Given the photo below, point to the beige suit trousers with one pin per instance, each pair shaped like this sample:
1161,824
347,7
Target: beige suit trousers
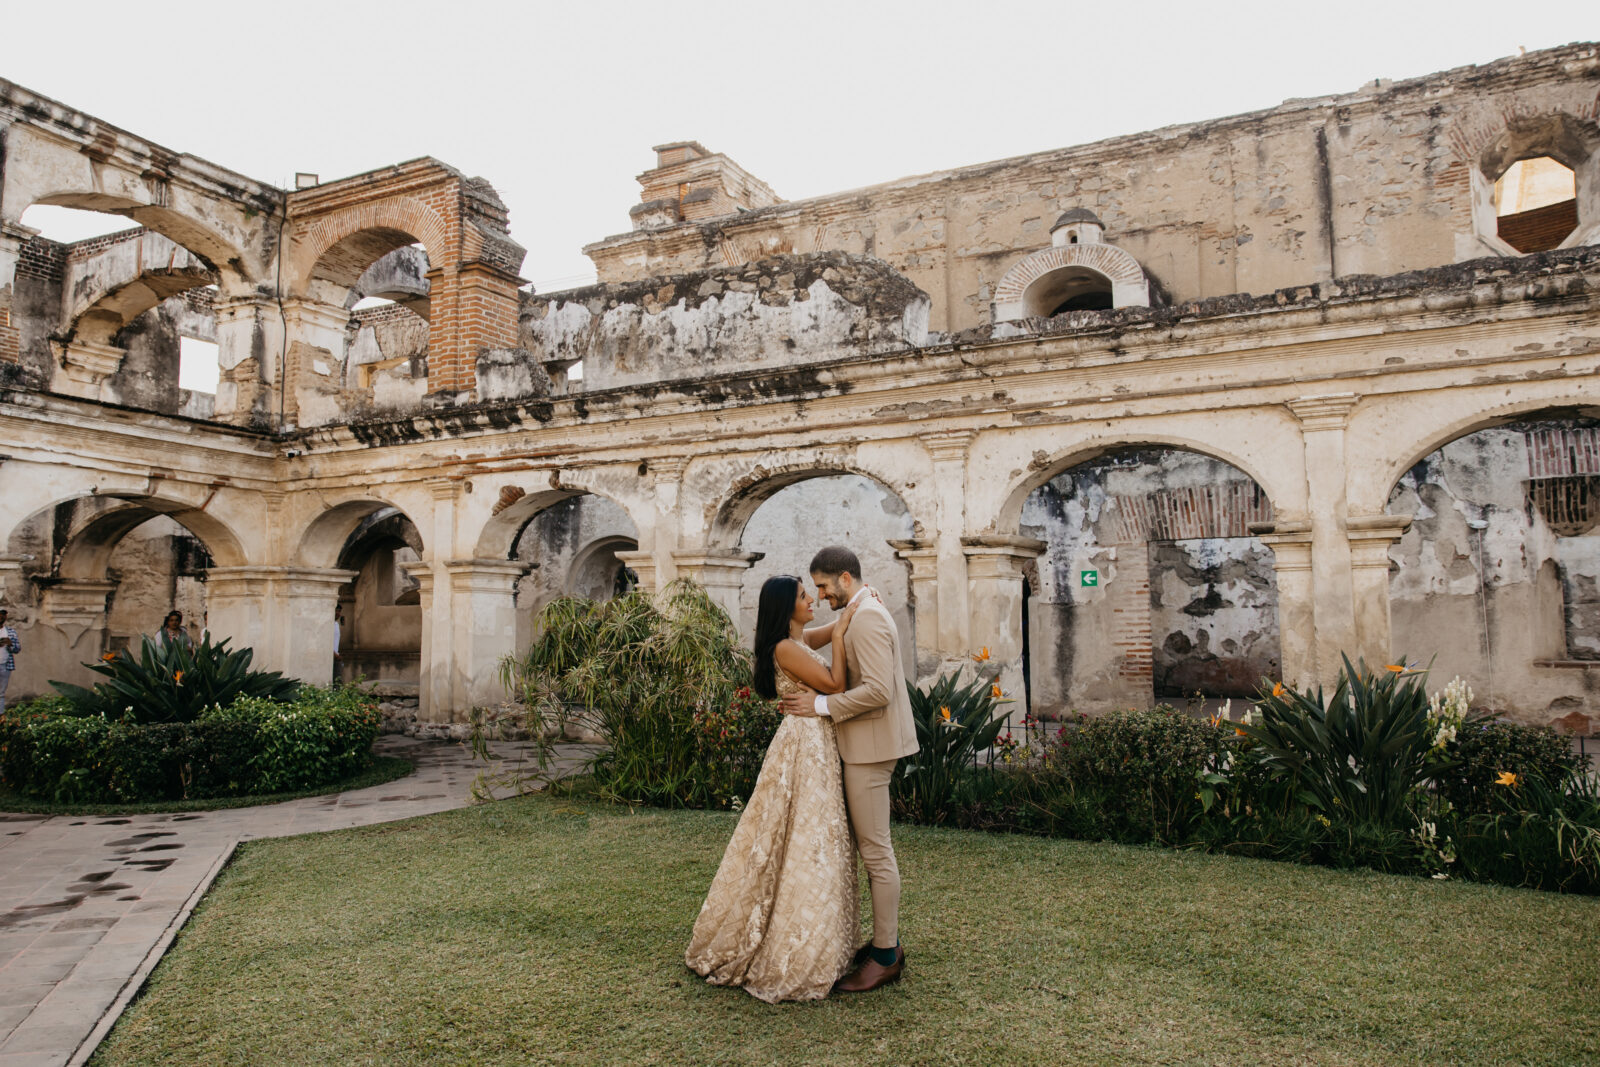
866,795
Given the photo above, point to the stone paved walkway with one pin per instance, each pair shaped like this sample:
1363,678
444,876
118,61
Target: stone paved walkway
89,904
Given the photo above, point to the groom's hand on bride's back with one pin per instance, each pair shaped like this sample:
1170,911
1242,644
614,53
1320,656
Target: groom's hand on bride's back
802,703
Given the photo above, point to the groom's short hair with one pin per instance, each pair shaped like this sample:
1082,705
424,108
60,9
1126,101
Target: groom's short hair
836,560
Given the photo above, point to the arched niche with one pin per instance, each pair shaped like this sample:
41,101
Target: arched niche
1040,284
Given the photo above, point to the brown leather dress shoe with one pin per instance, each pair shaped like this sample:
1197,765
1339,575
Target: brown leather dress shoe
871,975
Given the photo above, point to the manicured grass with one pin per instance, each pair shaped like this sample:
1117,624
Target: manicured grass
551,930
383,769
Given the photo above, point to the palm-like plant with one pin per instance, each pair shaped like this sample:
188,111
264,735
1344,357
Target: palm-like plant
955,723
169,682
1359,756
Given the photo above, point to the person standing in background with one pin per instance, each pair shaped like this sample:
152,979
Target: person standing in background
338,631
9,647
172,631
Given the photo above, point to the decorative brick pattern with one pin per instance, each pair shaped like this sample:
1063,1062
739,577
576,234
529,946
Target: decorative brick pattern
1131,634
1562,453
1223,510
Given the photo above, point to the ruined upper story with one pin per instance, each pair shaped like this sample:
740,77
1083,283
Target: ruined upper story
1303,204
1393,177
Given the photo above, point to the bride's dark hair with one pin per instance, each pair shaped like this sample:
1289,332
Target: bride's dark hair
773,612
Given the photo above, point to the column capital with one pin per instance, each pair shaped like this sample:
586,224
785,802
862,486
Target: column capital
715,561
665,468
421,572
89,362
921,552
1000,556
488,568
445,488
644,565
1370,538
1327,412
947,446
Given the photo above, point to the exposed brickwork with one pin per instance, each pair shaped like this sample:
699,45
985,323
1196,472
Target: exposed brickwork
1563,453
42,259
1541,229
95,245
1223,510
10,340
1130,630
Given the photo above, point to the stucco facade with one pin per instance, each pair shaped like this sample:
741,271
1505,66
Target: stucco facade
1249,373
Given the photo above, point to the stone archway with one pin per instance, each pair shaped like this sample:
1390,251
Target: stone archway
1035,285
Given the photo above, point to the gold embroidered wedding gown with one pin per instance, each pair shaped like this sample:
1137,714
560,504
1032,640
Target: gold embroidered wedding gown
781,918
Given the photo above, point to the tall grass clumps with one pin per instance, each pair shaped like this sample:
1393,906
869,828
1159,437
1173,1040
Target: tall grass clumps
662,681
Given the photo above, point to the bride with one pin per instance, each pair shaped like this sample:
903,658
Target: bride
782,916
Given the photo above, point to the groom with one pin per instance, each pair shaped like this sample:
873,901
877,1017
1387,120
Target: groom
873,724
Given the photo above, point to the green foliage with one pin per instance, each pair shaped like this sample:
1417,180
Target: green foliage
642,670
171,682
1535,834
1357,757
739,732
1484,749
954,724
253,746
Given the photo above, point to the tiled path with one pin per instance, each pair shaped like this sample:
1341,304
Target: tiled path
88,905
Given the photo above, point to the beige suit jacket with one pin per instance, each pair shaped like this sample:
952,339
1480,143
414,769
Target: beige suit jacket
872,717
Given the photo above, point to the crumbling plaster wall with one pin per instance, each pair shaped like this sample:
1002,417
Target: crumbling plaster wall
843,509
553,542
1481,587
782,311
1167,617
1377,181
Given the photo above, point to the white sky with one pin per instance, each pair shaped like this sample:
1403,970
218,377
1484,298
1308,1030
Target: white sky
558,104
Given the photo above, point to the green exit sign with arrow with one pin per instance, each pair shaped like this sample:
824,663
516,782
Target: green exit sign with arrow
1089,579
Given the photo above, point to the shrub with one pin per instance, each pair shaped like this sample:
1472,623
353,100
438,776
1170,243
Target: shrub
253,746
174,683
740,732
1358,757
1483,750
1130,775
641,669
1533,833
954,724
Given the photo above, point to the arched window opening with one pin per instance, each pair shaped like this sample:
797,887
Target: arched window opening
69,225
1536,204
1068,289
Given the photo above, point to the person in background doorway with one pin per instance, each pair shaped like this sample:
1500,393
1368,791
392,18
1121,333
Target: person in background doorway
172,631
338,632
9,647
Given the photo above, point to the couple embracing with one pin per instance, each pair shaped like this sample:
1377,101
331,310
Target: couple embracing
782,915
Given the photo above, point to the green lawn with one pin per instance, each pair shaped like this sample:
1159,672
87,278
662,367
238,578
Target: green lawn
551,930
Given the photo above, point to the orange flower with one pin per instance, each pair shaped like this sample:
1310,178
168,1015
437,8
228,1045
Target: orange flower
944,713
1506,778
1239,731
109,656
178,678
1277,689
1398,668
982,655
995,691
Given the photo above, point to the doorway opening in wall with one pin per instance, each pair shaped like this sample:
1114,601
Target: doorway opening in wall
1151,586
1068,289
380,638
198,370
1536,204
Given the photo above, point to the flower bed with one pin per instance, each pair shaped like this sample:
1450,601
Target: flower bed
252,746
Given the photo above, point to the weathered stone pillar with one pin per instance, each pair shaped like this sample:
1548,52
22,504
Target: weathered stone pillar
249,348
644,565
77,607
666,478
1370,538
948,450
1291,559
483,616
1323,420
994,589
433,674
308,597
285,614
922,556
721,572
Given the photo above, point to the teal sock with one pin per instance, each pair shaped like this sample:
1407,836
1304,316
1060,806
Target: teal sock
884,957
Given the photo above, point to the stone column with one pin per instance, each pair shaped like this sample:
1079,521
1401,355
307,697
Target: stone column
948,449
433,683
483,616
1291,559
922,556
666,478
644,565
249,347
721,572
1370,539
1323,420
994,595
285,614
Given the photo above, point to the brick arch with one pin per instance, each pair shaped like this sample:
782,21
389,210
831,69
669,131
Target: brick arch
393,222
1128,285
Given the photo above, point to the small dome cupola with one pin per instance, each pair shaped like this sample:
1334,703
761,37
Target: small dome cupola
1079,226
